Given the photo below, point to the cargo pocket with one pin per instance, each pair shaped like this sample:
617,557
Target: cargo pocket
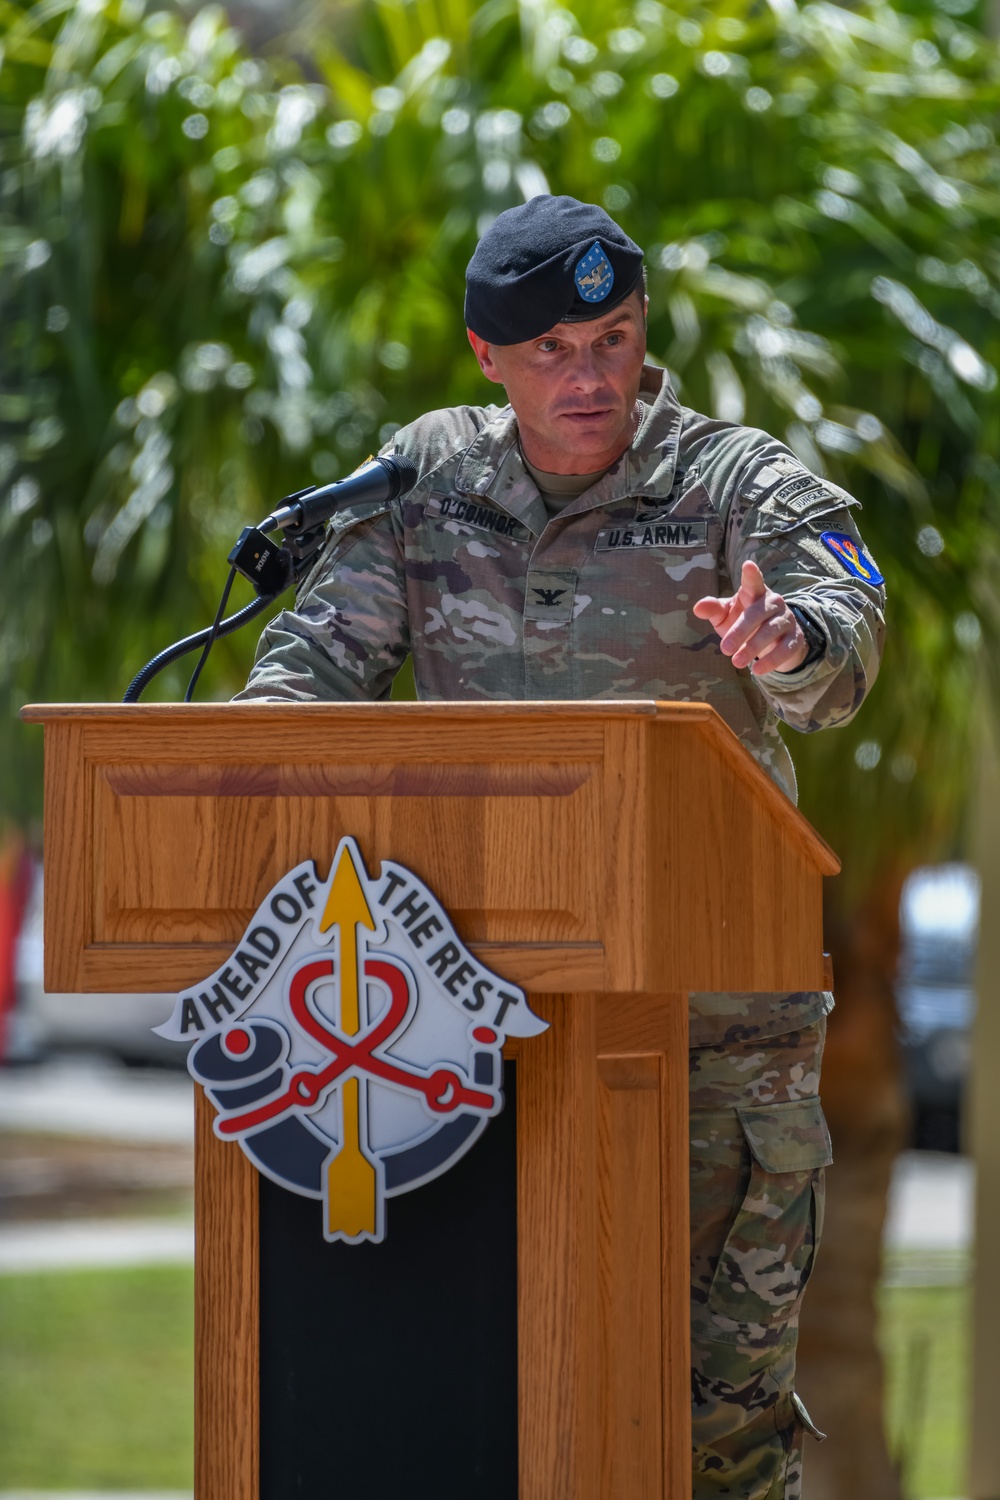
768,1254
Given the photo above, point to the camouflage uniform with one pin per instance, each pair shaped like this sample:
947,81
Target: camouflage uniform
759,1144
496,599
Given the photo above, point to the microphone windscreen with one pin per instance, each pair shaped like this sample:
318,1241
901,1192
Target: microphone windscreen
405,472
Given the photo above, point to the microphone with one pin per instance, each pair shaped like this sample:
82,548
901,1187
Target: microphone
271,567
379,479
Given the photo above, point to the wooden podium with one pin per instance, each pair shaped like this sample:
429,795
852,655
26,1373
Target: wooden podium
609,857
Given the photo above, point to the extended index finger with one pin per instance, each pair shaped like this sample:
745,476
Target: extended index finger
752,585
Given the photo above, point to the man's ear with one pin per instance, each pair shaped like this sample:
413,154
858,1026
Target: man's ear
484,354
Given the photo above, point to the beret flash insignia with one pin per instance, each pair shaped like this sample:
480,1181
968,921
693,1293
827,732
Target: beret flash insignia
593,274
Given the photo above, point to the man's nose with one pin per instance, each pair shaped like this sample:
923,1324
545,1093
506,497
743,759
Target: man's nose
586,375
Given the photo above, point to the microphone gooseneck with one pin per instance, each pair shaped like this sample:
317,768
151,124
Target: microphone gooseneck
271,569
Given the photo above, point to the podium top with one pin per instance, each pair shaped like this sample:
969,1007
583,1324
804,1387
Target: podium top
633,844
588,708
501,716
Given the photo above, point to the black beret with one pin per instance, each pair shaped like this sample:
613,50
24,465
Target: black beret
548,261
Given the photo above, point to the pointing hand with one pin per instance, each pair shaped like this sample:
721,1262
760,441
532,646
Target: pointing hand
757,627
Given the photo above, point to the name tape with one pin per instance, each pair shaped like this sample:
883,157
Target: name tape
652,534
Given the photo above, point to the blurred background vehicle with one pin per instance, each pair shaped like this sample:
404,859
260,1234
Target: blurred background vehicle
39,1024
939,920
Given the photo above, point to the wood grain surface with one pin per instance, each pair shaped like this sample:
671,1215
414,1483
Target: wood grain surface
525,779
644,1251
559,1374
73,851
629,1173
137,967
585,830
227,1317
610,857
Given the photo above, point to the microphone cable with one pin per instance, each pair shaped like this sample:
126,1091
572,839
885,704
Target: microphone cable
269,568
173,653
213,635
272,568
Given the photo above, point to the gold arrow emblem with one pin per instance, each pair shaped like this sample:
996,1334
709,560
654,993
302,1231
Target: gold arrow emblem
351,1178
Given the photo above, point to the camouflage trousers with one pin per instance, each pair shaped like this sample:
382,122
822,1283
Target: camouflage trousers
759,1143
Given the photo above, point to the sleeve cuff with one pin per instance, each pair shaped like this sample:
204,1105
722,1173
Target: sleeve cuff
814,634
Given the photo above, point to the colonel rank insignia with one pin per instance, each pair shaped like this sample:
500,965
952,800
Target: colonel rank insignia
352,1044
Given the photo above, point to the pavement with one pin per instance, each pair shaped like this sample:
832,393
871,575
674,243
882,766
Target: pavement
129,1134
84,1096
96,1166
80,1244
92,1104
930,1224
931,1202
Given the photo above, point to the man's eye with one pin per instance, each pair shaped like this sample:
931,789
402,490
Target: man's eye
547,346
614,338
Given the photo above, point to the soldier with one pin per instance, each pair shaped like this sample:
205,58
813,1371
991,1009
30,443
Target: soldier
595,539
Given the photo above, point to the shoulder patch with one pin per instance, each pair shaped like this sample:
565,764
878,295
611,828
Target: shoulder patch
800,492
852,558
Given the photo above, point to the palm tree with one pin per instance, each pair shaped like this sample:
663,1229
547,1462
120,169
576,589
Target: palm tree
226,277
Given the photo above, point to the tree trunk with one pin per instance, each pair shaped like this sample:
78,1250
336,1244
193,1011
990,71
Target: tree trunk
840,1367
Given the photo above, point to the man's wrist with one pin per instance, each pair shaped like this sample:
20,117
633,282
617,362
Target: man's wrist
814,638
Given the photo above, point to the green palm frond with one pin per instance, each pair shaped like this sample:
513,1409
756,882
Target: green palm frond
222,278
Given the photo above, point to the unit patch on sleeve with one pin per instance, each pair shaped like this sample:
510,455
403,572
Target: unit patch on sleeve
851,557
645,534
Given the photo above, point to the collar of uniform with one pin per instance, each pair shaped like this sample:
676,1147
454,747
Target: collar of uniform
492,465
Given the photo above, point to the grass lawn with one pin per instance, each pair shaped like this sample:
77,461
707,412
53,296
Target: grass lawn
96,1379
925,1340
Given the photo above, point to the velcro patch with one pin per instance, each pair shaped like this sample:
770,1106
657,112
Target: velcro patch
801,492
642,535
773,472
550,595
784,463
474,513
852,558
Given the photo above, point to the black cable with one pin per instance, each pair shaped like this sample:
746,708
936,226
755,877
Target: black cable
142,679
213,635
270,568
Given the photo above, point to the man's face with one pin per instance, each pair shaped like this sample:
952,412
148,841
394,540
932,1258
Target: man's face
574,389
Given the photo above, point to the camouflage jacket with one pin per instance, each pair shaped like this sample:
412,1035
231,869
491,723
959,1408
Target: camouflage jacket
496,599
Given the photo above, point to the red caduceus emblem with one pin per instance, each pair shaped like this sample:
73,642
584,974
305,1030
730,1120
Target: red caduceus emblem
443,1089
